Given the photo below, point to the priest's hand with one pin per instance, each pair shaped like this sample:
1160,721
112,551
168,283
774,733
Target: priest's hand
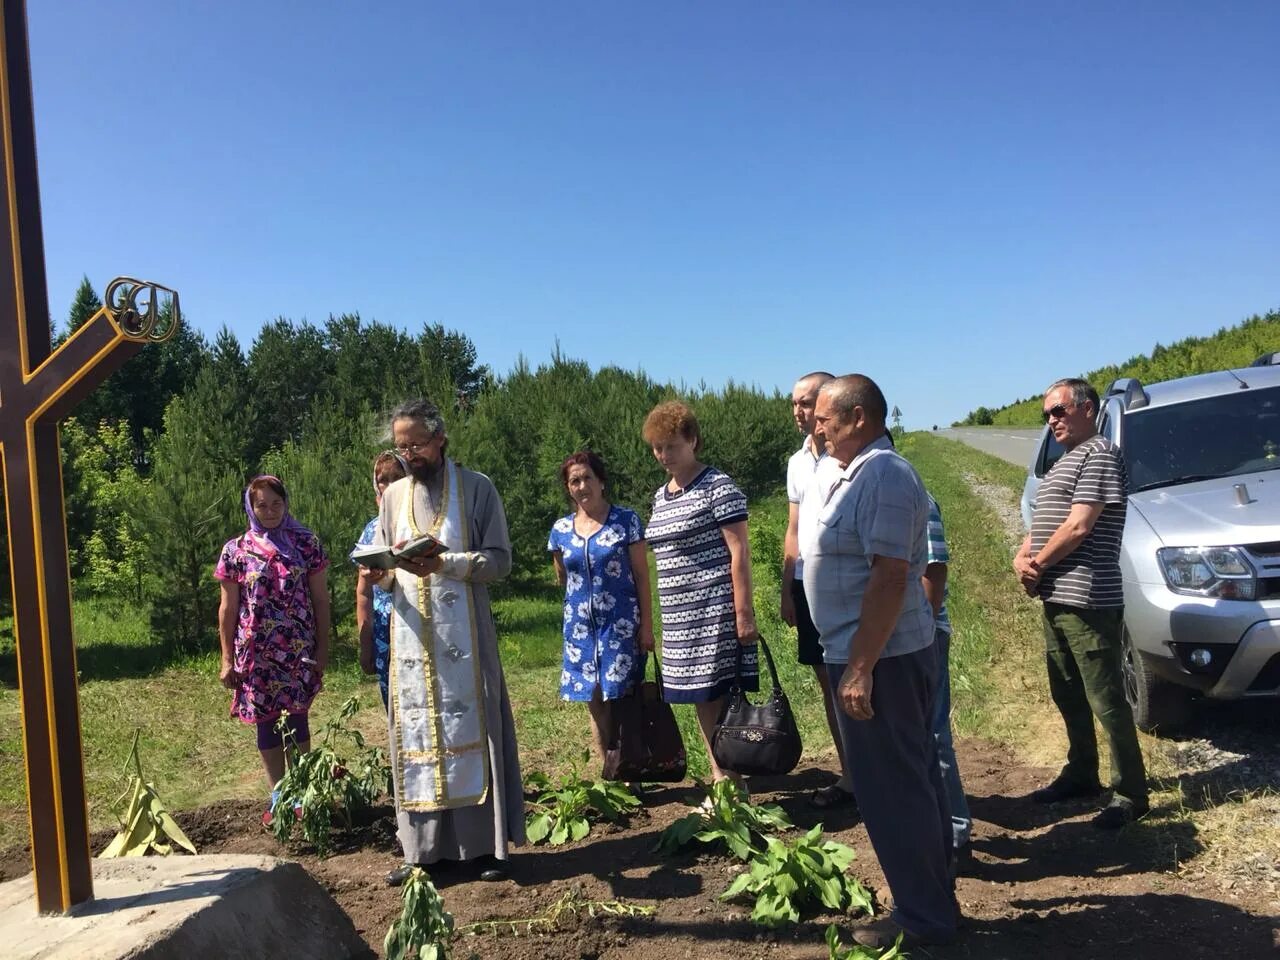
420,566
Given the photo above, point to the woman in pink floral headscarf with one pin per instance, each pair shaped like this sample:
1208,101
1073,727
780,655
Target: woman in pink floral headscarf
273,621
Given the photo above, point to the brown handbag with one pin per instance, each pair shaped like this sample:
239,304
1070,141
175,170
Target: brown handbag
643,741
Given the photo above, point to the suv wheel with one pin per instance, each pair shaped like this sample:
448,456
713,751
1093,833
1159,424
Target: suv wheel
1158,706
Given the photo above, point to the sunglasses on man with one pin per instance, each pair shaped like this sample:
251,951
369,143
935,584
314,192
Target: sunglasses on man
1058,411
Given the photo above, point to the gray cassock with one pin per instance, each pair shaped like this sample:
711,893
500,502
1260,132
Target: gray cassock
455,766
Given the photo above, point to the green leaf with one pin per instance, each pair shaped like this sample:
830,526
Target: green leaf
859,897
840,854
741,883
763,869
579,828
559,833
737,846
680,833
831,892
785,885
115,848
895,952
773,910
833,939
144,840
537,827
174,832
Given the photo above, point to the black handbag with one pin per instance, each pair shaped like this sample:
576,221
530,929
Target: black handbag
643,740
757,740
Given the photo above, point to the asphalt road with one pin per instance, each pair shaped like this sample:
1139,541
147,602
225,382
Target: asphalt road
1015,444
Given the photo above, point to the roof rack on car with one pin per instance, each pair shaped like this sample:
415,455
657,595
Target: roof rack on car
1267,360
1130,388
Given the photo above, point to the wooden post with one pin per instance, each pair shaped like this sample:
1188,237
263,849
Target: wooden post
38,386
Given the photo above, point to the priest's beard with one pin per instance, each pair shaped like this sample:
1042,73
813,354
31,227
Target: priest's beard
427,472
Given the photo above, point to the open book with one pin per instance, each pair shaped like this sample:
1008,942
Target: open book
384,558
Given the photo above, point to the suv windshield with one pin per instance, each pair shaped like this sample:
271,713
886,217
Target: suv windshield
1222,436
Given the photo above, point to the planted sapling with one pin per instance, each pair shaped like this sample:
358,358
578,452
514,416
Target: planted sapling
727,816
856,951
424,928
562,811
787,877
323,782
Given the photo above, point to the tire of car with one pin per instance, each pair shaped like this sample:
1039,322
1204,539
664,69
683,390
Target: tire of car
1158,705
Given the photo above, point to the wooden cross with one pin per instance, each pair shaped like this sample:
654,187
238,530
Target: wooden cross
38,386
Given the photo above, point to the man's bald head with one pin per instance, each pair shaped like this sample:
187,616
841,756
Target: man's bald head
849,415
855,390
812,381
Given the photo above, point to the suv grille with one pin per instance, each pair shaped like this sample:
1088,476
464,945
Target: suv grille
1265,558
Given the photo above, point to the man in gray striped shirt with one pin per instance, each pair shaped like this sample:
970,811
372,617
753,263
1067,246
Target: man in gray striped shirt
1071,561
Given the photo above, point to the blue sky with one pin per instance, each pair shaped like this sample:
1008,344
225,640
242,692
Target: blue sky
964,201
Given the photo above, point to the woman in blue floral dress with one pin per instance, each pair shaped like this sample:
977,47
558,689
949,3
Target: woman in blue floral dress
600,560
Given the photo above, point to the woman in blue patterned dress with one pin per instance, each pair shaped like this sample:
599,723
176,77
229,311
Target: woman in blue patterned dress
698,533
373,603
598,551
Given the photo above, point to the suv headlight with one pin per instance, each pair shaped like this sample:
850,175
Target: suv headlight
1208,572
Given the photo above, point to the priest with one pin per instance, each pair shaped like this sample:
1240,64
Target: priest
454,762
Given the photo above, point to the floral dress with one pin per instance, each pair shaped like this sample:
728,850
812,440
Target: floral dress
381,618
276,627
601,611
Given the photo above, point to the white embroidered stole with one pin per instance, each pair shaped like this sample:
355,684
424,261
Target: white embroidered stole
437,691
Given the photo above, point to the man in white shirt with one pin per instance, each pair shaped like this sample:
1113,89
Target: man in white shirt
806,466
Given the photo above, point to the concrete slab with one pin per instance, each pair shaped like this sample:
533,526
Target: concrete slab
183,908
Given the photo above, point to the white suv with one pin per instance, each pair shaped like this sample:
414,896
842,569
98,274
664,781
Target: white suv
1201,551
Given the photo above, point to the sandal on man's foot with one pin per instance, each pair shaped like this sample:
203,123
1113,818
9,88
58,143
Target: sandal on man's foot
832,795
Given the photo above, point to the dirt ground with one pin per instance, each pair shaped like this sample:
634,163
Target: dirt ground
1043,883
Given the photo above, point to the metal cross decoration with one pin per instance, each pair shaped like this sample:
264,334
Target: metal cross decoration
38,386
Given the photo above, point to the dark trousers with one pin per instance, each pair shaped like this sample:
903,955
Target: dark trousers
1082,649
893,763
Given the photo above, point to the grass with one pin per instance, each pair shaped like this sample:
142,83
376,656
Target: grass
998,683
190,747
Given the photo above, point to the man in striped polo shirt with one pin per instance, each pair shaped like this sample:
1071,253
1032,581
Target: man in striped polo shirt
1071,561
